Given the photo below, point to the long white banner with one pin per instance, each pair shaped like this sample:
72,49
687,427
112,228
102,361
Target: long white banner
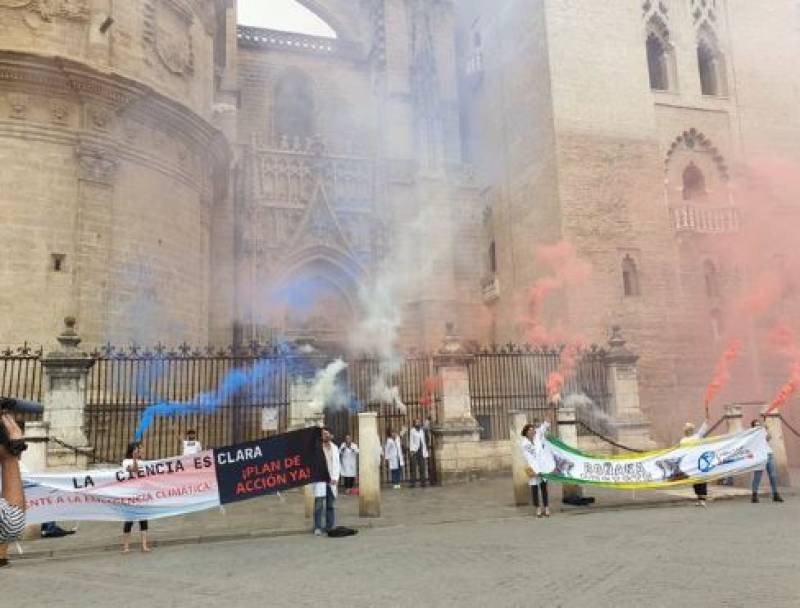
696,462
158,489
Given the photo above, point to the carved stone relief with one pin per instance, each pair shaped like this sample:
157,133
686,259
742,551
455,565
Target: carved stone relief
167,33
59,111
96,164
17,106
47,10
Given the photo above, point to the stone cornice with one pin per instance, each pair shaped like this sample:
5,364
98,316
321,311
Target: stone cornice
125,96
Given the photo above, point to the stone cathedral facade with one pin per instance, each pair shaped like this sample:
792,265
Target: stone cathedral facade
167,174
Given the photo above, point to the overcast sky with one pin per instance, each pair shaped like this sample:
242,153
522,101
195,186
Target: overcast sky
286,15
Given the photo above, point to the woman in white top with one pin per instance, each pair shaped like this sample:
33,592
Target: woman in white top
531,445
131,464
393,453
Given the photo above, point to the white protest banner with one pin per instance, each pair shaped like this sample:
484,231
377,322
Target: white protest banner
696,462
160,488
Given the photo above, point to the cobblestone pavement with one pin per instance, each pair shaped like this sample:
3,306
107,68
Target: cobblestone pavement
731,554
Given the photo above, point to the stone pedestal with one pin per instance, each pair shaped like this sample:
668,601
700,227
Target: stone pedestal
777,442
457,434
516,421
34,459
369,467
632,428
733,424
65,373
568,433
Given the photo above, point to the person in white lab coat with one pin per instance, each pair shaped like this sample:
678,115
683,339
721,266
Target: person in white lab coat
348,453
531,446
325,491
418,453
393,453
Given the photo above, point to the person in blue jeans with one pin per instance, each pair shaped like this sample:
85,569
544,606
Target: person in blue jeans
325,491
771,472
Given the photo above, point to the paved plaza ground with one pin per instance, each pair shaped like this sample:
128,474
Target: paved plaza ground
461,546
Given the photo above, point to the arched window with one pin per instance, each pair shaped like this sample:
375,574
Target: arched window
630,277
293,114
711,64
711,279
694,183
660,63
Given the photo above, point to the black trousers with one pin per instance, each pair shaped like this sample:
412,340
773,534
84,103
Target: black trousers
701,490
535,493
417,465
349,482
129,526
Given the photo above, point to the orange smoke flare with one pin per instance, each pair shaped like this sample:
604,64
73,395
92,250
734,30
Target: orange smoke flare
787,390
722,372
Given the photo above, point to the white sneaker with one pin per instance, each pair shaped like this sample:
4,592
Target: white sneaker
317,532
397,486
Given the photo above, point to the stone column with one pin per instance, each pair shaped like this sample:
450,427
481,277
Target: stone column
369,466
568,433
64,401
457,434
516,421
34,459
733,424
632,428
775,428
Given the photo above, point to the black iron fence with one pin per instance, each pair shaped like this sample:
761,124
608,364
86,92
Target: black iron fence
511,377
251,391
21,374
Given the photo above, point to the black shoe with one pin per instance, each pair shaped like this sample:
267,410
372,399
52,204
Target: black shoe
3,562
755,497
777,498
57,533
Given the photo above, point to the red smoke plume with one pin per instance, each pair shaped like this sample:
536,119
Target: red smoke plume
787,390
429,387
722,372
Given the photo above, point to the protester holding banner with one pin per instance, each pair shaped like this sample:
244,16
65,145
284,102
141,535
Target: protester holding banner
393,453
325,492
771,472
531,446
190,445
131,464
690,437
348,453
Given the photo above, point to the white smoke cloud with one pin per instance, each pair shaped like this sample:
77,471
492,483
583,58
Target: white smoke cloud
380,391
326,391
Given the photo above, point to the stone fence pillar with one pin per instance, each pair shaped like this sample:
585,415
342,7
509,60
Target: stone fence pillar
369,465
777,442
457,433
516,421
632,428
65,373
567,420
34,459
